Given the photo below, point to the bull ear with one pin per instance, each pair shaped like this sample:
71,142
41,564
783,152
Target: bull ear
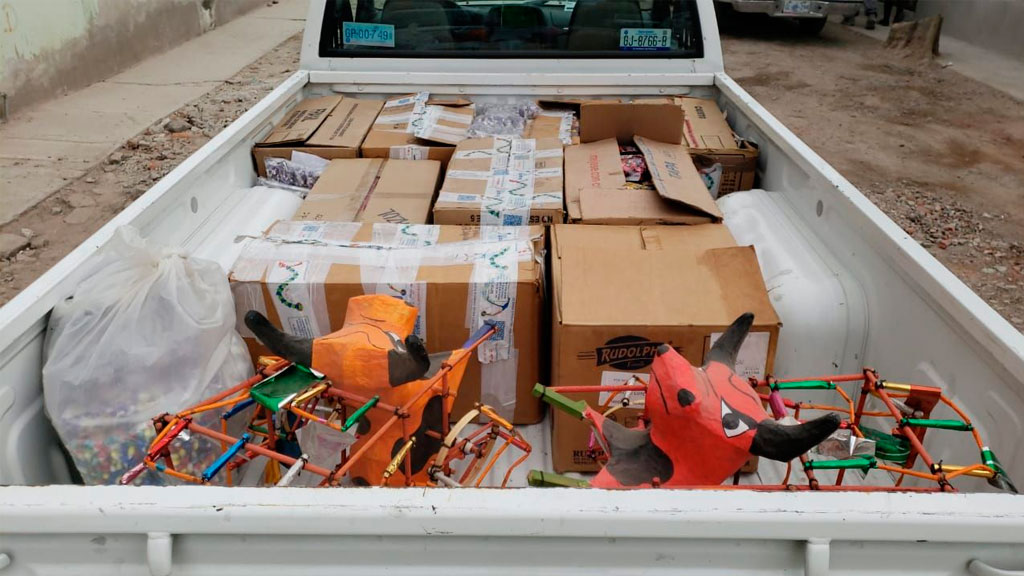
728,345
783,443
292,348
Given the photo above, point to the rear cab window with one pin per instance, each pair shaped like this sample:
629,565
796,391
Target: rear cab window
511,29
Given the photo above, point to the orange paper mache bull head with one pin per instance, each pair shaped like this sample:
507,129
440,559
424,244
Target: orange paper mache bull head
375,353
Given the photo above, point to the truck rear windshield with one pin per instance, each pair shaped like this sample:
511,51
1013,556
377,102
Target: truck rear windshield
511,29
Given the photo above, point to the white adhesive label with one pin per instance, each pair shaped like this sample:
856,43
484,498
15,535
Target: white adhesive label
453,198
613,378
296,291
469,174
493,297
394,271
312,232
407,100
753,354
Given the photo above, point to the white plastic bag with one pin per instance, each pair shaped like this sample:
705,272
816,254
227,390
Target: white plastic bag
149,331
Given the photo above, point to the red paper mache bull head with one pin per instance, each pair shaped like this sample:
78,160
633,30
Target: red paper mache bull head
703,423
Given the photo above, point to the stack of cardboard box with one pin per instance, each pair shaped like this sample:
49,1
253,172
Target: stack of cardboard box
635,267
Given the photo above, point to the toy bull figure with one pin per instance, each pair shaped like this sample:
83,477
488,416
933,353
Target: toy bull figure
702,423
376,354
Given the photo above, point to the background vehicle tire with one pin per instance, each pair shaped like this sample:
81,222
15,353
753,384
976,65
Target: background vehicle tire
811,26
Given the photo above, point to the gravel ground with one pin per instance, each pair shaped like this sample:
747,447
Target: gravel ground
941,154
38,239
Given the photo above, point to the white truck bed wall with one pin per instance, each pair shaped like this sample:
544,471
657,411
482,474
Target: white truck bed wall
921,324
924,324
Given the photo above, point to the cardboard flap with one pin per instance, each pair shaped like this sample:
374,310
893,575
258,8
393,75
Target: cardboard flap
347,124
691,275
659,121
705,125
593,165
738,275
625,206
302,121
675,176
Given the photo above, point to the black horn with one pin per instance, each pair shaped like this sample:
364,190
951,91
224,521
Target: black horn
783,443
728,345
408,362
291,348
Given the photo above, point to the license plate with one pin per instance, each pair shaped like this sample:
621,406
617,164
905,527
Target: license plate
796,7
366,34
645,39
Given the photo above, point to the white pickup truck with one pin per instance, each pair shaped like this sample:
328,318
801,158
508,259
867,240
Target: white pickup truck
852,290
810,15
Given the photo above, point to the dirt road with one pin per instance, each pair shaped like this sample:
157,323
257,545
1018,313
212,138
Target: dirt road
942,154
61,222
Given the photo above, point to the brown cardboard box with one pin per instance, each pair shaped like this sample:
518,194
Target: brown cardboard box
475,192
619,292
373,190
711,140
562,125
596,192
302,275
389,137
329,127
661,121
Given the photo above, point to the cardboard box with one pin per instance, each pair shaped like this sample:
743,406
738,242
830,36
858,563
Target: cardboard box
302,274
711,140
390,136
503,181
562,125
329,127
661,121
620,292
596,192
373,190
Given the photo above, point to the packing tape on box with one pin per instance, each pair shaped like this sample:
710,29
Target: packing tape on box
564,125
409,152
486,174
508,194
543,199
294,258
412,99
396,276
492,297
431,122
389,116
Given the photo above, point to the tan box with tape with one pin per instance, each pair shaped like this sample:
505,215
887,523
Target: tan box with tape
329,127
373,190
302,274
619,292
503,181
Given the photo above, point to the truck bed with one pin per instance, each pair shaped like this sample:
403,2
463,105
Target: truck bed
850,287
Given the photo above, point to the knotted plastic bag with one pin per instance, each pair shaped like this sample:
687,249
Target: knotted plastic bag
149,330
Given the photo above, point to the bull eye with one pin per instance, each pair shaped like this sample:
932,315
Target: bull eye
732,424
685,397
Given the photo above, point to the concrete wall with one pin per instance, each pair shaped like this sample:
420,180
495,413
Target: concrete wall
997,25
51,46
